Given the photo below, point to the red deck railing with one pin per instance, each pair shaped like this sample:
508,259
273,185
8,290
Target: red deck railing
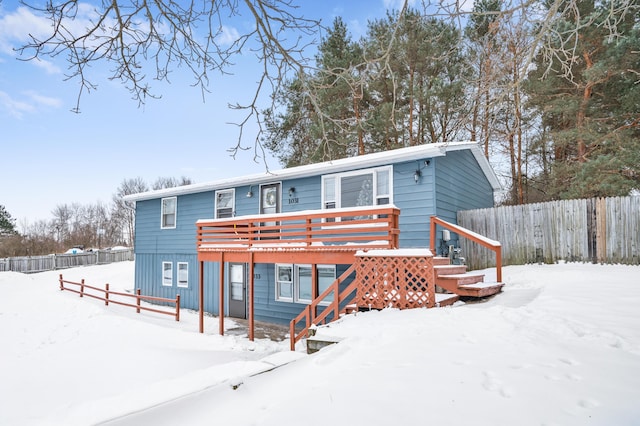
312,230
106,296
493,245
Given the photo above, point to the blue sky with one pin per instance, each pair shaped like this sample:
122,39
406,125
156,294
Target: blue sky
50,155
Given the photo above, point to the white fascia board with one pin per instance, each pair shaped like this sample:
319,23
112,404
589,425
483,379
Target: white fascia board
335,166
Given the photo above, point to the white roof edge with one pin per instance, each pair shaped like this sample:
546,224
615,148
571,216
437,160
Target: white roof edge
334,166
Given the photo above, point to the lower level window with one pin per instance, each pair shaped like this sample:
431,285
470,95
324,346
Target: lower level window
167,274
284,283
294,282
183,274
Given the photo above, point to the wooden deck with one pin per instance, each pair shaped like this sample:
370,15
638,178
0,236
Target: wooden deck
365,238
300,237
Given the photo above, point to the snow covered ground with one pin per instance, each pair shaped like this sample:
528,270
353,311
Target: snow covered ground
559,346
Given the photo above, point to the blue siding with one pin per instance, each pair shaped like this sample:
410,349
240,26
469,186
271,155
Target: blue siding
148,277
150,238
415,200
446,185
461,185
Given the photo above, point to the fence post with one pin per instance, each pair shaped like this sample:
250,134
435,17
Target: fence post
106,294
82,287
138,300
61,283
177,307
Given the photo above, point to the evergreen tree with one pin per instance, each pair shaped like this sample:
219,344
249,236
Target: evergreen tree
7,223
591,108
327,125
419,91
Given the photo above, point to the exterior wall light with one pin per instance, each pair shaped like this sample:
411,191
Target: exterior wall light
417,175
292,190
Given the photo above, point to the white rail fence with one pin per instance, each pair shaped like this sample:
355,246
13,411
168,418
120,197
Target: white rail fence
598,230
28,264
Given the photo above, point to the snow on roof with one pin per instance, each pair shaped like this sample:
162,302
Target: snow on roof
334,166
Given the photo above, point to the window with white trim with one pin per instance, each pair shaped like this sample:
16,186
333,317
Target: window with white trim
371,187
304,290
326,277
183,274
167,274
225,203
169,213
284,283
294,282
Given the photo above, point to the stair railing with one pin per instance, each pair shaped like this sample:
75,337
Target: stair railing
493,245
309,313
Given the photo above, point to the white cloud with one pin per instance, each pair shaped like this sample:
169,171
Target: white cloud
16,26
42,100
30,103
13,107
48,66
227,36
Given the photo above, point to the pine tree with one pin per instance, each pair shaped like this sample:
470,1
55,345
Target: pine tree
592,108
7,223
326,125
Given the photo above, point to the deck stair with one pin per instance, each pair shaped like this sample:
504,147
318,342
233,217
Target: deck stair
455,279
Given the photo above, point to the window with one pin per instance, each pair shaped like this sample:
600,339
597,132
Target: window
167,274
169,207
304,287
326,277
225,201
294,283
284,283
370,187
183,274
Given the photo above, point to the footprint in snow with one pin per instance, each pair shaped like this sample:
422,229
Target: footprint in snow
492,384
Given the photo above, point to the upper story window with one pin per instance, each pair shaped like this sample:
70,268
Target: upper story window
225,203
169,212
371,187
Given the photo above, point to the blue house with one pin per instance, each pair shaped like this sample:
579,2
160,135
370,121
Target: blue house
266,246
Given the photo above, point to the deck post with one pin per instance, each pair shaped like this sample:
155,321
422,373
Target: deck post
221,301
314,288
251,293
201,296
178,309
432,236
499,264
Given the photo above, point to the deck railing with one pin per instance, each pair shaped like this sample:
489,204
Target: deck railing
493,245
334,308
106,295
371,227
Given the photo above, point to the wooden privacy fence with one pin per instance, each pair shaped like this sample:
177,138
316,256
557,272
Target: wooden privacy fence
106,295
29,264
599,230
